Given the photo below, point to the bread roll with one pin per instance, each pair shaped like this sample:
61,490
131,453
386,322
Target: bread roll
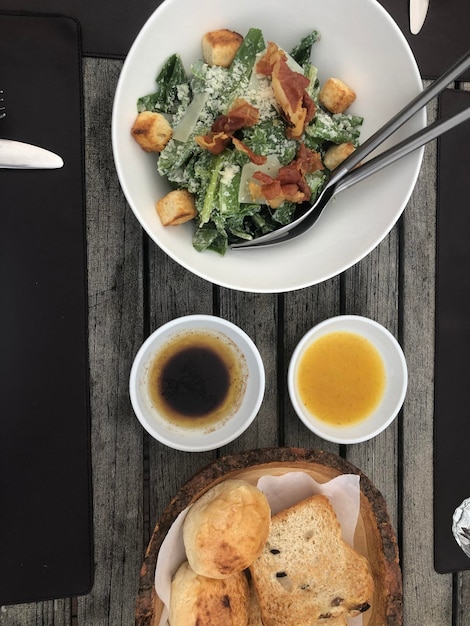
226,528
200,601
254,612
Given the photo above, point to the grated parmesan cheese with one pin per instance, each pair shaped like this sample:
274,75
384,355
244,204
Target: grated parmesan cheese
261,95
228,173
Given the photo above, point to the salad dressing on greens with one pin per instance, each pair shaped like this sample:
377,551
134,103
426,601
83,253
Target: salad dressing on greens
225,184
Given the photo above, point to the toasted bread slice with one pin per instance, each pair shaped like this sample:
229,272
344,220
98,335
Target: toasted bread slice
254,614
307,572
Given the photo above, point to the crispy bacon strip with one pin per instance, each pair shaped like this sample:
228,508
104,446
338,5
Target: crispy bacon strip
289,89
275,192
241,115
290,183
272,55
215,143
257,159
308,161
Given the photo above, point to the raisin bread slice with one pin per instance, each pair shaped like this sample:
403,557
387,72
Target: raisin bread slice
307,572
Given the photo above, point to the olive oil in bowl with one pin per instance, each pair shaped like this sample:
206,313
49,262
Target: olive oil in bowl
341,378
347,379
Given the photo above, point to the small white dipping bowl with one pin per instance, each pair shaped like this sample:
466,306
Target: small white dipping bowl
396,383
196,439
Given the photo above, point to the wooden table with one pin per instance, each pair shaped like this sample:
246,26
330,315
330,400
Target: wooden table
134,288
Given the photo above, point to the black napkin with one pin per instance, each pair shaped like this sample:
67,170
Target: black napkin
45,472
109,26
444,37
452,388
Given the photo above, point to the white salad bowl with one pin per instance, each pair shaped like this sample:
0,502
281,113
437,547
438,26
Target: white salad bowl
361,44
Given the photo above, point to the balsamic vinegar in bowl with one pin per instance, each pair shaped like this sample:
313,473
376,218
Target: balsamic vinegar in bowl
197,383
197,379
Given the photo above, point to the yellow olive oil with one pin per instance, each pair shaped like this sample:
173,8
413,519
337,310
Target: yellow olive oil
341,378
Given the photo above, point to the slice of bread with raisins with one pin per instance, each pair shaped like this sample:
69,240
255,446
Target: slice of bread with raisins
307,572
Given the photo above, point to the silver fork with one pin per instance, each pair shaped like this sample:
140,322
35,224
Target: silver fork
2,106
345,176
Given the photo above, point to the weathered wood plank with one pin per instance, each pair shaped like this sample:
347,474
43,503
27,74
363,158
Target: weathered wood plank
462,597
426,593
57,612
115,325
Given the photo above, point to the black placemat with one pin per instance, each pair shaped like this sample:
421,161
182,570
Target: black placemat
444,37
452,388
45,471
109,26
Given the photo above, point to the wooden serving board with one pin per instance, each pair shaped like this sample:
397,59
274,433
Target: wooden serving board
375,537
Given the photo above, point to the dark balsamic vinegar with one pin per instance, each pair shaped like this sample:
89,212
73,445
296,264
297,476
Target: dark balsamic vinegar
197,379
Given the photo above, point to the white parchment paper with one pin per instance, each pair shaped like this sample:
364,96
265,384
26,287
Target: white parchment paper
281,491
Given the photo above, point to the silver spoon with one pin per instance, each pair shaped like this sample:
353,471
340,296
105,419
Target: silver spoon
345,175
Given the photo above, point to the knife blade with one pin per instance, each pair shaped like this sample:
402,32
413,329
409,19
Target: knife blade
418,12
19,155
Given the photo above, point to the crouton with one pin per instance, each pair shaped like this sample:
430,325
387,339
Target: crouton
336,96
220,46
337,154
176,208
152,131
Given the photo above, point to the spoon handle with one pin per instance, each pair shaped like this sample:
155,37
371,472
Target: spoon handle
403,148
402,116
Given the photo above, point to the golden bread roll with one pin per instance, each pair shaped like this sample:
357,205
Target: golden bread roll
200,601
226,528
254,612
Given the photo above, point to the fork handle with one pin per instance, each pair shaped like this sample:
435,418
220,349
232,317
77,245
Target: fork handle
425,96
403,148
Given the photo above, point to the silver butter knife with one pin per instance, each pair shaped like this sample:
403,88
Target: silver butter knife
19,155
418,12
